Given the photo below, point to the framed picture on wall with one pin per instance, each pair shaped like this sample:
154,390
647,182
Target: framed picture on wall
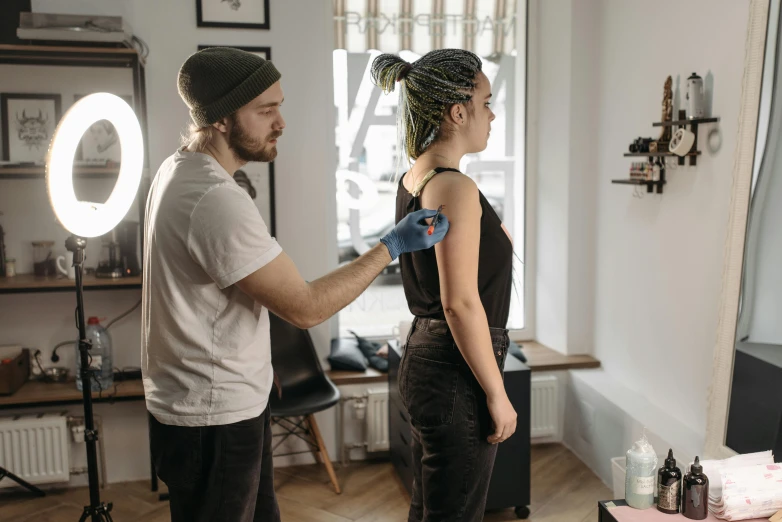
28,124
243,14
255,177
258,180
100,143
263,52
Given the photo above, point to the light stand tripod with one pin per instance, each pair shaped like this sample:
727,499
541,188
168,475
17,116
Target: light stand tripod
5,473
86,219
96,511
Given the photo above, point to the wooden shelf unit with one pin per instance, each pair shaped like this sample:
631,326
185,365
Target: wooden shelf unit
22,172
41,393
657,185
93,57
28,283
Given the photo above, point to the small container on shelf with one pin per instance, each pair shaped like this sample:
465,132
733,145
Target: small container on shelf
10,267
44,262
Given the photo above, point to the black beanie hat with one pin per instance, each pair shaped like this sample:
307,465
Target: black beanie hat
217,81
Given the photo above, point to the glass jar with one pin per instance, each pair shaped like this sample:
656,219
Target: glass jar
10,267
44,262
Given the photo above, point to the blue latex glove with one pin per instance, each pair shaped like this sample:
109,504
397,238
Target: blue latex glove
411,233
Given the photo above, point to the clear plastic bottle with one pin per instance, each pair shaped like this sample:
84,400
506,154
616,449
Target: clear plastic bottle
641,475
100,355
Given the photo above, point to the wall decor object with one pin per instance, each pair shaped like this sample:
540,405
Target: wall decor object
242,14
667,114
257,178
28,123
263,52
100,142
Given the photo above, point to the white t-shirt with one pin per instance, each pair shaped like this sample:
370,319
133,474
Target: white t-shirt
205,347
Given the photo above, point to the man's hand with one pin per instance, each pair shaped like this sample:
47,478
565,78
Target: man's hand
412,233
279,287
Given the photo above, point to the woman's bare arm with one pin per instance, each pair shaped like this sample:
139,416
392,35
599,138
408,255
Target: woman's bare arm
457,262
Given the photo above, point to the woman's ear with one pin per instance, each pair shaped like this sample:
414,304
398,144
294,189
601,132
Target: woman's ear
458,113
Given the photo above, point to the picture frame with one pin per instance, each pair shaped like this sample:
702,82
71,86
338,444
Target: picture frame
263,52
238,14
28,123
100,143
257,177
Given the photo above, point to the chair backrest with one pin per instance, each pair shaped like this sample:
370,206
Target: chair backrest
293,354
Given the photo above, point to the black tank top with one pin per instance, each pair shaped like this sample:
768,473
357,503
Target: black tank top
421,278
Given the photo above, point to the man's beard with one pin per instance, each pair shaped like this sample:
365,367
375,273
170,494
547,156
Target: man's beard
247,148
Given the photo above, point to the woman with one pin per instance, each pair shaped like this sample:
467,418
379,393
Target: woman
450,378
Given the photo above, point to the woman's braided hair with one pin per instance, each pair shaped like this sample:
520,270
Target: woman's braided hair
429,87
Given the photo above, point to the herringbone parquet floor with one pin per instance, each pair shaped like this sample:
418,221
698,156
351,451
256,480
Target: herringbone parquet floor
563,490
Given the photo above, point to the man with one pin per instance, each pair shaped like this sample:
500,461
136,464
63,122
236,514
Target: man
212,272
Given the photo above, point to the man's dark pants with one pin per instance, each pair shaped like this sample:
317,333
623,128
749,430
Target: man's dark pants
217,473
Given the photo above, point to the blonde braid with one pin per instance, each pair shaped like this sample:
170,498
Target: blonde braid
428,88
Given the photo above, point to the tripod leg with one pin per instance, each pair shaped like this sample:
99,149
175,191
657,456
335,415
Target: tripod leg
21,482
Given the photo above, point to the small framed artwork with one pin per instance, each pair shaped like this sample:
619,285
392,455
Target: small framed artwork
100,143
258,180
263,52
28,124
242,14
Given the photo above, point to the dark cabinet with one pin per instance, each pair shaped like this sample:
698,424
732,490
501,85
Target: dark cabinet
510,482
755,414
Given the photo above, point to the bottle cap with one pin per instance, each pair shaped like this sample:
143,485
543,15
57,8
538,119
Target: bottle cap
670,462
93,320
696,468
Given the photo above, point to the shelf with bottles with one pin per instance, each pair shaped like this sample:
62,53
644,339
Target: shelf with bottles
651,185
29,283
23,172
651,174
692,122
117,70
657,153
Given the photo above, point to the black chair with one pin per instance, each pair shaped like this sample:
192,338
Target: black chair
305,390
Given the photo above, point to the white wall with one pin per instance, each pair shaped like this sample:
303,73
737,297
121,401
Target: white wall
566,172
306,205
658,260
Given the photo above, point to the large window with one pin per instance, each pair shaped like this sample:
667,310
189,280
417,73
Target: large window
368,169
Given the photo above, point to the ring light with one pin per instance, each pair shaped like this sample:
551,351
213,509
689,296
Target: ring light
84,218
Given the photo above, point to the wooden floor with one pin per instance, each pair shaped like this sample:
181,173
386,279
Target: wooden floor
563,490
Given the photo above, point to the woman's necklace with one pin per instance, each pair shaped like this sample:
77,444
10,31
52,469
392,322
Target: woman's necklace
423,174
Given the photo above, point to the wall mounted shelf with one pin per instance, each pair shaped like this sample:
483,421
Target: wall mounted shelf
657,185
11,172
657,154
28,283
650,184
97,59
682,123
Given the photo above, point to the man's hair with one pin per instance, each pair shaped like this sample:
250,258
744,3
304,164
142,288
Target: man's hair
201,137
429,88
198,138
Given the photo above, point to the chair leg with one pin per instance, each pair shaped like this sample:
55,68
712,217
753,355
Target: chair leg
316,456
324,453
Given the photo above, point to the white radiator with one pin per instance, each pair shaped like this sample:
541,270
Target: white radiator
377,420
544,406
35,447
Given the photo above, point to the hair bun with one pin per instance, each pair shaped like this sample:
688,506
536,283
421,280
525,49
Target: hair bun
387,69
403,73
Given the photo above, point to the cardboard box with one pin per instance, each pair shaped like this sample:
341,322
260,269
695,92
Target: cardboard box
14,371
